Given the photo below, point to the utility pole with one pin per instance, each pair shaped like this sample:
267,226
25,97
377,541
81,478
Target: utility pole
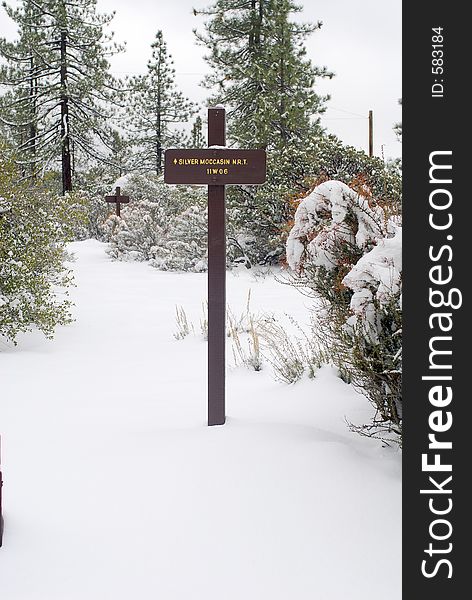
371,133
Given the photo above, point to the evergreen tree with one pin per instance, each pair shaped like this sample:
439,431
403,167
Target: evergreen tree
155,106
197,139
61,57
23,74
292,107
35,226
119,158
260,71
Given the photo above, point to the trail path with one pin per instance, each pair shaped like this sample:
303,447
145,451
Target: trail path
116,490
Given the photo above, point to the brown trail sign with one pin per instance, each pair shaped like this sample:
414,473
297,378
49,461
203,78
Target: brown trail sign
117,199
216,167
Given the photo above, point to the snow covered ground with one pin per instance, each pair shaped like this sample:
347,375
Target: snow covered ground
115,489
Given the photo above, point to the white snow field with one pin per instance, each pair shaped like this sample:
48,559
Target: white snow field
115,488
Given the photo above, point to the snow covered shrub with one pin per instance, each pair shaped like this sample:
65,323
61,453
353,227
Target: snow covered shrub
375,329
330,159
34,227
140,229
96,214
150,188
139,187
345,246
145,188
163,224
184,245
258,216
262,216
376,281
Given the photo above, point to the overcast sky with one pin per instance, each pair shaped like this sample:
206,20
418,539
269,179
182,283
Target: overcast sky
360,41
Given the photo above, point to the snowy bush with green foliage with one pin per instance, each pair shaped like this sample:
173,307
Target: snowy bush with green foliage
149,187
334,218
328,158
346,247
97,212
141,226
264,214
184,247
100,223
34,228
165,225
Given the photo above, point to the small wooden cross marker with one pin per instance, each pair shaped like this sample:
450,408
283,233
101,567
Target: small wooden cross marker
117,199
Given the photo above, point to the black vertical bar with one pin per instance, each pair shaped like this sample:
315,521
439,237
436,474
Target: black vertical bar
436,520
216,279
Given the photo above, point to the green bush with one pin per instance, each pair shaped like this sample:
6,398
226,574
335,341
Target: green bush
34,228
345,248
262,216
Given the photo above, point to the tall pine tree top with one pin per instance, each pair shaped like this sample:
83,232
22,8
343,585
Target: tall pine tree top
156,105
260,71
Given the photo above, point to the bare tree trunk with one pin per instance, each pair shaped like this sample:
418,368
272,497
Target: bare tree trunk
257,33
158,138
283,128
256,27
33,129
159,117
65,131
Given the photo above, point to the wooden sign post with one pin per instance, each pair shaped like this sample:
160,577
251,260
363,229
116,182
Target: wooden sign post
216,166
117,199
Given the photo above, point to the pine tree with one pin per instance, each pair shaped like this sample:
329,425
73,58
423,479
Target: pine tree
119,158
292,105
197,139
260,71
23,73
73,92
155,106
35,226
